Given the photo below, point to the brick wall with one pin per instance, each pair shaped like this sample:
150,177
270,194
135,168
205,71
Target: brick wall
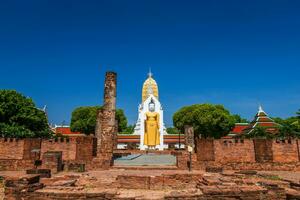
73,148
205,149
285,151
263,150
31,149
247,151
67,147
18,149
230,150
85,148
298,143
11,148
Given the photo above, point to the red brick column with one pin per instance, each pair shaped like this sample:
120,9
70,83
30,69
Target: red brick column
106,123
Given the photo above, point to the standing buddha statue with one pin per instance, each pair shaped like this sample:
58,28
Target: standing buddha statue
152,136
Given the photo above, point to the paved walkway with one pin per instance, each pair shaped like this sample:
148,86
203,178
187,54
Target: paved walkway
146,160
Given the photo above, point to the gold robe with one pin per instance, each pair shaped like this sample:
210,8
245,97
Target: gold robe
152,137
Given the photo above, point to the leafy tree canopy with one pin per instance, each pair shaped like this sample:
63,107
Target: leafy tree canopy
173,131
20,118
84,119
291,122
128,130
261,133
122,120
285,132
239,119
207,119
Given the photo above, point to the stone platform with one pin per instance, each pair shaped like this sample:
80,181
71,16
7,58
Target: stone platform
163,184
146,160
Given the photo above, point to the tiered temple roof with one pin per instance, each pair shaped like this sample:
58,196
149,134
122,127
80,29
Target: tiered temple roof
261,119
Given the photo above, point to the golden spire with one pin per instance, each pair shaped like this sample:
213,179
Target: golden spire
149,87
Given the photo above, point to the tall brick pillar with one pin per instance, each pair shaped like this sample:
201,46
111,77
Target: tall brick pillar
106,123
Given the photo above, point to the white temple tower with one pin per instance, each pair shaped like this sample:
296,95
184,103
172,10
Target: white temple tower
149,94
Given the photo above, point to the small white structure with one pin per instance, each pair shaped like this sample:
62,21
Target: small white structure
150,94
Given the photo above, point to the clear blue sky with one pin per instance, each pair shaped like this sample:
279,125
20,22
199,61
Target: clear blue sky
236,53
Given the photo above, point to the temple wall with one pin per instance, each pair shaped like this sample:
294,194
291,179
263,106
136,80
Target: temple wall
31,149
73,149
205,150
248,154
67,147
263,150
285,151
86,148
298,143
230,151
11,148
20,154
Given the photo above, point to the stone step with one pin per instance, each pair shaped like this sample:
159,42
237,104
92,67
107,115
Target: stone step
155,167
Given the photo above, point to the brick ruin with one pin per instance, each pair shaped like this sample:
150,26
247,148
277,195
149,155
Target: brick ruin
106,130
81,153
122,185
228,153
257,154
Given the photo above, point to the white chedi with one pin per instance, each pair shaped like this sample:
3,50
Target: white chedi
150,95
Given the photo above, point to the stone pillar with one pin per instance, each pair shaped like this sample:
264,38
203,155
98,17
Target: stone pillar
106,123
189,137
116,135
188,155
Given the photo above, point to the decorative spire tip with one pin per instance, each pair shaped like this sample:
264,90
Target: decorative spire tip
260,109
150,73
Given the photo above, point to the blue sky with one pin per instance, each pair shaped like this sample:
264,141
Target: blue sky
236,53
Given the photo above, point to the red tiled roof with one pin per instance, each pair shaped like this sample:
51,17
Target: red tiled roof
65,131
264,124
238,128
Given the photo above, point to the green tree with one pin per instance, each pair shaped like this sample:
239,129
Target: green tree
128,130
84,119
122,120
291,122
207,119
279,120
239,119
286,132
20,118
295,122
173,131
259,132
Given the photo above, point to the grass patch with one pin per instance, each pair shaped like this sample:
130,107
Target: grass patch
272,177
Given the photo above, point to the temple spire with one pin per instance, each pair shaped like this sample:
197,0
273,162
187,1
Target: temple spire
260,109
150,73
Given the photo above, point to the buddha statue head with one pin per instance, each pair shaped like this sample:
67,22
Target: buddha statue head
151,106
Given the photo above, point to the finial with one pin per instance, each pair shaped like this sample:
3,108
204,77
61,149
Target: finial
45,109
150,73
260,108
